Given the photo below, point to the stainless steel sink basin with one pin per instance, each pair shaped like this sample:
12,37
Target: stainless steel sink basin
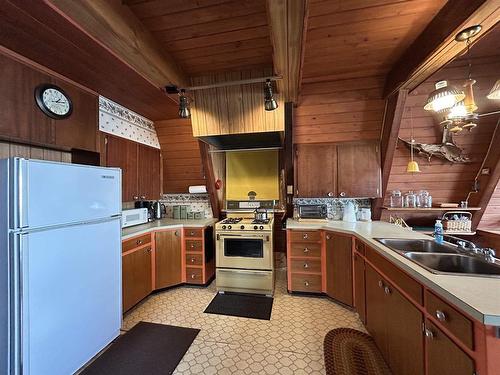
418,246
454,264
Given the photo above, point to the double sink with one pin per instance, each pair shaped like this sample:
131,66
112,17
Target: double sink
442,258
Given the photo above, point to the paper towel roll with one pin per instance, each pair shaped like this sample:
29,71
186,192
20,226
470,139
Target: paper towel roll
197,189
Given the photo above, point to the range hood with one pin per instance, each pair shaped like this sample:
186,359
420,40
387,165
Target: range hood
245,141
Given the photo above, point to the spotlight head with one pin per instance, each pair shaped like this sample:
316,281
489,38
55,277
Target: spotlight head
270,104
184,111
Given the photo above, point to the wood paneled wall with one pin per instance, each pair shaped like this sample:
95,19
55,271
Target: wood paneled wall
234,109
445,181
339,111
8,150
182,164
22,121
491,217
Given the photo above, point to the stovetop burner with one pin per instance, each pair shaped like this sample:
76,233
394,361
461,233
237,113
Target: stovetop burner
232,220
261,221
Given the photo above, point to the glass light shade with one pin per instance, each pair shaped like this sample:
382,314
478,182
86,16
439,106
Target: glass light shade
443,97
184,111
469,103
495,91
458,111
270,104
412,167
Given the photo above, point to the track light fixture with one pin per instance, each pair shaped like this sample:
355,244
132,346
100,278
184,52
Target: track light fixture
270,104
184,111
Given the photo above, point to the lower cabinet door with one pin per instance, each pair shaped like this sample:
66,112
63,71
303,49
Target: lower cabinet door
136,279
376,310
168,260
444,357
359,287
339,268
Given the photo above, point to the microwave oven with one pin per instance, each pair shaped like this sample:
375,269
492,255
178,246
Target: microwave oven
135,216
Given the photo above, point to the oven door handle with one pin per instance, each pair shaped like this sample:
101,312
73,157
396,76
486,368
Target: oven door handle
220,236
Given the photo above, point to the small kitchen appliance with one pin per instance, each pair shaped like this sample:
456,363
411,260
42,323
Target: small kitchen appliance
159,210
134,216
349,213
312,211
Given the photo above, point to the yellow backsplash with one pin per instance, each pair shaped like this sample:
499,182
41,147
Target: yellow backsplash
252,171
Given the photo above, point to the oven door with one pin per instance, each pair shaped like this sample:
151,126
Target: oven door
245,250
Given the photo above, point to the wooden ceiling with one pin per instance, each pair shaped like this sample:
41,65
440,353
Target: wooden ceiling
360,38
207,36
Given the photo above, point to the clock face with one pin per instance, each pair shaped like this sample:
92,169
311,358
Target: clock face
53,101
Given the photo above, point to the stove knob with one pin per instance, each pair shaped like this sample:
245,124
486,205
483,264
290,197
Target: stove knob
224,227
255,227
242,227
229,227
261,227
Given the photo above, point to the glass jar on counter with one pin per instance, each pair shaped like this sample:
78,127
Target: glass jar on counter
424,200
410,200
396,199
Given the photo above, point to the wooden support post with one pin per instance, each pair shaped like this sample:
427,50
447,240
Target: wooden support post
208,169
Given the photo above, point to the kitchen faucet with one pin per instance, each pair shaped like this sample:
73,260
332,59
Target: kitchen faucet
470,248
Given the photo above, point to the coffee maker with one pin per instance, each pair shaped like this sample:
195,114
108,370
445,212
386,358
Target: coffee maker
146,204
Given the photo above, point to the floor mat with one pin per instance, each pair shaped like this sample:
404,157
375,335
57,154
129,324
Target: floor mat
148,348
242,305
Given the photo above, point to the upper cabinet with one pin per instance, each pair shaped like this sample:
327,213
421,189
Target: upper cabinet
140,166
23,121
343,170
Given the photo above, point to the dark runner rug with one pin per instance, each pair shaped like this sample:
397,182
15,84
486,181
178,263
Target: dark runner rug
147,348
242,305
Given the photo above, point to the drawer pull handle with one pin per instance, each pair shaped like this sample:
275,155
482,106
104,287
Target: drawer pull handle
306,283
192,246
305,236
193,276
306,265
429,334
387,290
191,233
342,194
328,237
306,250
380,284
192,260
441,316
139,242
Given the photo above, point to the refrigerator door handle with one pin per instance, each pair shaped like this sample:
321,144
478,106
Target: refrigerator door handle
20,193
18,247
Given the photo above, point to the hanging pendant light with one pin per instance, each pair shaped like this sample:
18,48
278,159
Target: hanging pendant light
443,97
494,93
270,104
184,111
412,166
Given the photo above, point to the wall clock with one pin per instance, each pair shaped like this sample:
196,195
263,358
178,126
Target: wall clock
53,101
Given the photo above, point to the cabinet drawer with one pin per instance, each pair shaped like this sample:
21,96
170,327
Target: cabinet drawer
359,246
450,318
194,275
194,245
397,277
194,259
306,283
193,232
136,242
305,236
306,265
305,250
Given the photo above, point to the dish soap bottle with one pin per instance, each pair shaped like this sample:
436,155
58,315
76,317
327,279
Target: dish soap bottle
438,232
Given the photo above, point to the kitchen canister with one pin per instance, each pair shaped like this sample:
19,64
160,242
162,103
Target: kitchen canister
184,212
176,212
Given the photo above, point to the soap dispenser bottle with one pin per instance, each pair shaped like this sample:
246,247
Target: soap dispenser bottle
438,232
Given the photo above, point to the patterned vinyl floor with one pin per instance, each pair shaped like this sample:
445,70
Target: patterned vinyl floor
290,343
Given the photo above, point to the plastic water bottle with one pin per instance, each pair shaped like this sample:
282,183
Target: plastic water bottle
438,232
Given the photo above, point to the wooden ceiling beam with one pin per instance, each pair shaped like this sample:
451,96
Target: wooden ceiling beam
116,28
436,45
288,25
394,109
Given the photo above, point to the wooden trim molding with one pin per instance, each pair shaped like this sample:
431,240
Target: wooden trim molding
208,169
394,108
436,45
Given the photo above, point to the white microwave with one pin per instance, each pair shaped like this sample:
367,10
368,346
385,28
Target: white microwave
135,216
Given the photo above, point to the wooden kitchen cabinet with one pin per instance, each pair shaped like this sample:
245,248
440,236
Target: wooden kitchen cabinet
200,256
444,357
342,170
140,166
339,267
359,286
168,258
359,170
136,276
315,170
304,263
395,324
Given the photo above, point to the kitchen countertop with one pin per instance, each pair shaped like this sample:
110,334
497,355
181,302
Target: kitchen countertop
165,224
477,296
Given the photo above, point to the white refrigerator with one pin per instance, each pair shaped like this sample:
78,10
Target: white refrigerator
60,265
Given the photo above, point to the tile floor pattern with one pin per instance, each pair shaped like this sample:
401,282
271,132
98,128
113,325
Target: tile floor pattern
290,343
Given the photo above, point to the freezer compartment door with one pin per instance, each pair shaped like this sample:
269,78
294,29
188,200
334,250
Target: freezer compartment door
50,193
71,295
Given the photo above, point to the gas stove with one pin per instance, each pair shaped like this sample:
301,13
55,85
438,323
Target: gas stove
244,224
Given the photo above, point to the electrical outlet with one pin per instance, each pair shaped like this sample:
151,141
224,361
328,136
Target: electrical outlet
485,171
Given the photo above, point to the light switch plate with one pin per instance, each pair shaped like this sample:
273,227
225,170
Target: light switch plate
289,189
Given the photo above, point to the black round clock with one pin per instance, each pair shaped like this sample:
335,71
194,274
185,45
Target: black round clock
53,101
